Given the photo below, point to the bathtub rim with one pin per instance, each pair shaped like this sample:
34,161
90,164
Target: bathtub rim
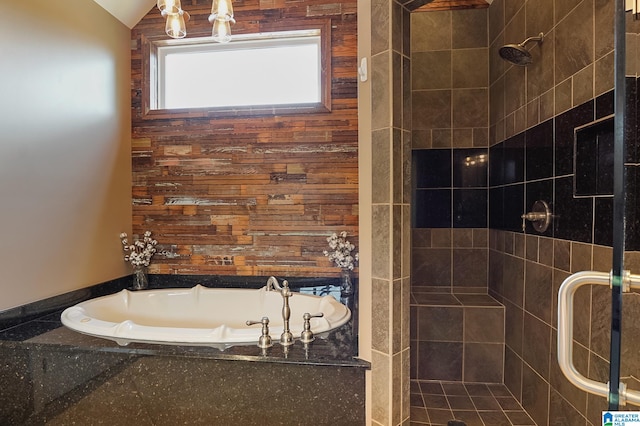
127,331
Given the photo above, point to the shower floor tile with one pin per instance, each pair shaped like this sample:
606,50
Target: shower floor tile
434,403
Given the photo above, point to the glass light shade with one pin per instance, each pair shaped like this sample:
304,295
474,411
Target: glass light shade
221,31
222,9
167,7
175,26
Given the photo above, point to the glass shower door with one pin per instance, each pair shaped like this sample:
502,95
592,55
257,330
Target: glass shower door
619,280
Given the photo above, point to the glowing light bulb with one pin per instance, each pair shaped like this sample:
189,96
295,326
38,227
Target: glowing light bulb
222,9
221,17
175,26
167,7
221,31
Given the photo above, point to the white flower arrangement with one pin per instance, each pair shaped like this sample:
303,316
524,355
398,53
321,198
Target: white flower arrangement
341,251
141,251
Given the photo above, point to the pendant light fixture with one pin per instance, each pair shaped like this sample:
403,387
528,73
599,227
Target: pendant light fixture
221,18
175,26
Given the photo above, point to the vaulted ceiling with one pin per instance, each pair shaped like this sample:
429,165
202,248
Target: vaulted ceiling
129,12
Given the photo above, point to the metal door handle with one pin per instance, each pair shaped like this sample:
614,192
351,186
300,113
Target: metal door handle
565,332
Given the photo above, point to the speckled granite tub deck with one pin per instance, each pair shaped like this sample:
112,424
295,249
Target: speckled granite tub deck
52,375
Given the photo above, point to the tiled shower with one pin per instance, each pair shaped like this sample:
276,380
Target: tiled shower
476,170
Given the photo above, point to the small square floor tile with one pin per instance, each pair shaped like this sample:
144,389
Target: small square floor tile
435,401
494,418
419,415
439,417
520,418
508,403
470,418
499,390
477,389
460,402
431,388
485,403
454,389
415,399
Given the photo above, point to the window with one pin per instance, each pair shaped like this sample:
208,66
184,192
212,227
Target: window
266,73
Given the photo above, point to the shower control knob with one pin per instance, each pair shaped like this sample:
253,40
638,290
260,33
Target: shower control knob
264,341
540,216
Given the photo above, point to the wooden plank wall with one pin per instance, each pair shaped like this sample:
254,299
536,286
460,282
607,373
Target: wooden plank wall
254,195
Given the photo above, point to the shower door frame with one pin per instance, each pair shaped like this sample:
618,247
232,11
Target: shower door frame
619,203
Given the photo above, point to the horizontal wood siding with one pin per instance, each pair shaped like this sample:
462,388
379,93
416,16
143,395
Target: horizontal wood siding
253,195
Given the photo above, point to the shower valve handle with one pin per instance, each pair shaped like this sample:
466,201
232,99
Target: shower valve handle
540,216
534,217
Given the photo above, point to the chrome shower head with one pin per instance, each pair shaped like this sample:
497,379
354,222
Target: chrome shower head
517,54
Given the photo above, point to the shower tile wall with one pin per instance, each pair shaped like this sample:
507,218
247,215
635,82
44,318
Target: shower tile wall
449,54
532,115
450,260
450,200
450,80
526,269
457,337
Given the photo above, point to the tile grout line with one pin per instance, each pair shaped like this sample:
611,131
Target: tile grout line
468,394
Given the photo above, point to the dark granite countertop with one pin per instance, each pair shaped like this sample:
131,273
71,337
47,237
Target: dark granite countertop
38,325
53,375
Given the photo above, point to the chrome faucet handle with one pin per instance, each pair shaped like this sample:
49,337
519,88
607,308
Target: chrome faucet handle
264,341
307,335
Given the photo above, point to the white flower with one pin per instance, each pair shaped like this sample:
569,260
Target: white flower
341,254
140,252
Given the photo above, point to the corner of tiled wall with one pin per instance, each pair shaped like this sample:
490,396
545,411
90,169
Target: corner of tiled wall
391,197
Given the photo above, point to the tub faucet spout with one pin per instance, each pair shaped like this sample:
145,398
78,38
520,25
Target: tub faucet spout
272,284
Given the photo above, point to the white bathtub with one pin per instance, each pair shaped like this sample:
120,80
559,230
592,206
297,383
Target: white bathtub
199,316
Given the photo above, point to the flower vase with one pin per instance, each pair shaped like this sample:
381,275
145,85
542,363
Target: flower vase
346,285
140,278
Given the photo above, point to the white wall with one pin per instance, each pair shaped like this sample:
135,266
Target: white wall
65,165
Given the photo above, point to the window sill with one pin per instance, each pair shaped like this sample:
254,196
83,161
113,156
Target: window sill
244,111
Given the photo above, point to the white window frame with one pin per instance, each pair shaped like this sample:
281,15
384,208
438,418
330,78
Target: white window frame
156,50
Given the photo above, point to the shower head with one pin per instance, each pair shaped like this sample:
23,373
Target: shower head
517,54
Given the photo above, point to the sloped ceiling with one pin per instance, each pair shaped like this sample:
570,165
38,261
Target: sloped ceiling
129,12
